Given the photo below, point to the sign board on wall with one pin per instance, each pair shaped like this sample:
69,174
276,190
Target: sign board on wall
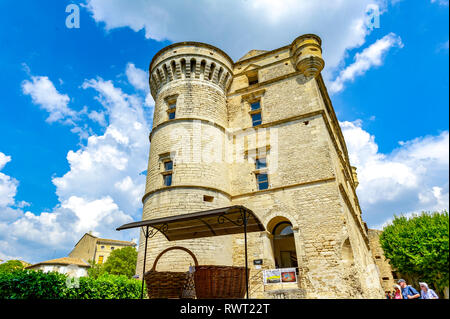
281,275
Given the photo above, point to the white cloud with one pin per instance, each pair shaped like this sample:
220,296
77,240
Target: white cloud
98,117
4,160
137,77
441,2
44,94
8,185
368,58
412,178
239,26
102,189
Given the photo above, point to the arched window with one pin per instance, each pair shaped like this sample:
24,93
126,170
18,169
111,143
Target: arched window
183,68
202,69
284,245
174,69
211,71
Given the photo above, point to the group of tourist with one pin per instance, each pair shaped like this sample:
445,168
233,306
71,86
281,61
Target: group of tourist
404,291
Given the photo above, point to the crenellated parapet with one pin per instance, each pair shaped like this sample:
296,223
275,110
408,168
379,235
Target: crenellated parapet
187,61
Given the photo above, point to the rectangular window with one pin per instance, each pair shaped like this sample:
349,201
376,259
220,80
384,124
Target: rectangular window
256,119
167,174
263,181
167,179
168,166
112,248
207,198
172,110
261,163
100,259
252,79
255,105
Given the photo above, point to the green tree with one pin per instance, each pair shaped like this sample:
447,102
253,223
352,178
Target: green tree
122,262
11,265
419,247
96,270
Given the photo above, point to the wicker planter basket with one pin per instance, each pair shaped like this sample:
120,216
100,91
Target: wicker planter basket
219,282
167,284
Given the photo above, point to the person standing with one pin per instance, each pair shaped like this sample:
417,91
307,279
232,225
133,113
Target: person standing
408,291
427,293
397,292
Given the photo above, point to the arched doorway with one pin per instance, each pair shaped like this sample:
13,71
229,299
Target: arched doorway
284,251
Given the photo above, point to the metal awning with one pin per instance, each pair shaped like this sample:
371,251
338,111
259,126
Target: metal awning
214,222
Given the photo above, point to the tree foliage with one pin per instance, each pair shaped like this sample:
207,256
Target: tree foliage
419,246
96,270
122,262
11,265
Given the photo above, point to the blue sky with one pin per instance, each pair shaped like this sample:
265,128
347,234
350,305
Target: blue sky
76,110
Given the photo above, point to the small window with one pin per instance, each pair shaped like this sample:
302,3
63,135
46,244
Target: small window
167,179
207,198
168,168
261,163
263,181
102,247
378,257
172,110
255,105
252,79
100,259
385,278
112,248
256,119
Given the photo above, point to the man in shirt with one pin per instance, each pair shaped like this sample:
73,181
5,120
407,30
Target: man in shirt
408,292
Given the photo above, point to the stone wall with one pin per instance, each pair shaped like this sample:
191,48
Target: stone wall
214,147
384,267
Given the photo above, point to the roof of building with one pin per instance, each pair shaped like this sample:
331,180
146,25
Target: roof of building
63,261
115,241
252,53
108,241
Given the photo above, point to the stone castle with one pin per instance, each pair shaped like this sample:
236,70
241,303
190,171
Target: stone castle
259,132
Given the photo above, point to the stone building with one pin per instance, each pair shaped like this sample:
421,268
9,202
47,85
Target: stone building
259,132
385,269
90,247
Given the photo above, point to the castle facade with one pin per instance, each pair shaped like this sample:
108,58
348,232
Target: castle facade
259,132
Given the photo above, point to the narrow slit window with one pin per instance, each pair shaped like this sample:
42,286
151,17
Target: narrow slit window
256,118
263,181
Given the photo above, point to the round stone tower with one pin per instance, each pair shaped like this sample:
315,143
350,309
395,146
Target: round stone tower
187,171
307,53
